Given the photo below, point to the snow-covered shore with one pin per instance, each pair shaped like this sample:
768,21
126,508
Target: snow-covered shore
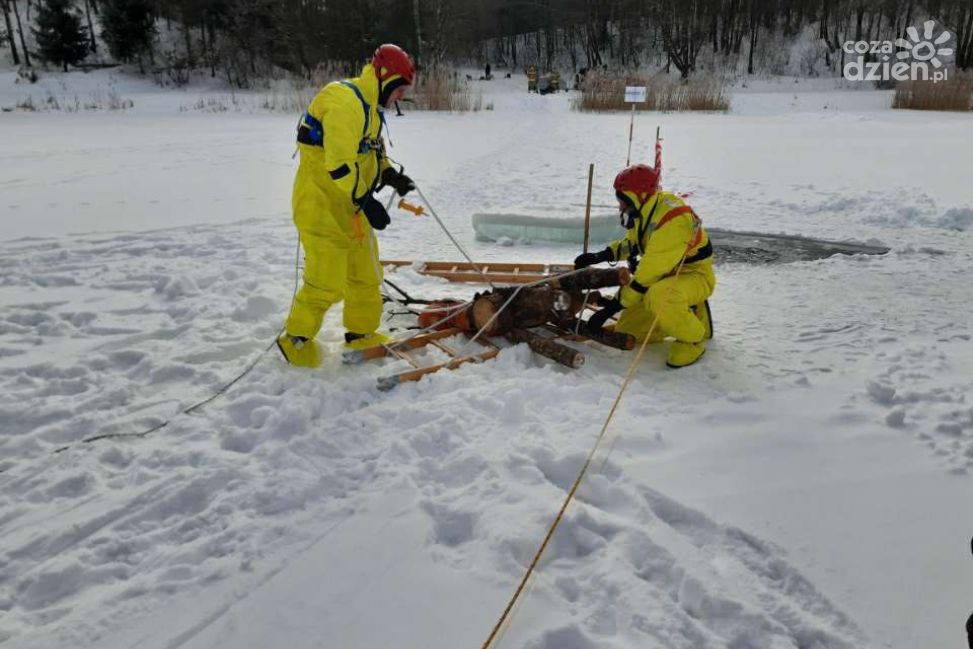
808,484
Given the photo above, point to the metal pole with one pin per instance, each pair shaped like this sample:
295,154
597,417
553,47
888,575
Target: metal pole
631,130
658,152
587,231
587,206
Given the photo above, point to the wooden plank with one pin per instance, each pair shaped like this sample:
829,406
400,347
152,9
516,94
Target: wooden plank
434,338
389,382
381,351
406,356
501,272
501,266
500,278
443,346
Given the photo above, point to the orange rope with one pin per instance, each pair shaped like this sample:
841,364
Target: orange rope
584,469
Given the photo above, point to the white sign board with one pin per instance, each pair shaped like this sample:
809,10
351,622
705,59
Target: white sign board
635,94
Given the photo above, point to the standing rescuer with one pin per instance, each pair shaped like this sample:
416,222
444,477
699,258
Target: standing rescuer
342,164
661,231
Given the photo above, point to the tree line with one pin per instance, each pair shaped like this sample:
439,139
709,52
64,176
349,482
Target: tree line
247,39
242,39
633,33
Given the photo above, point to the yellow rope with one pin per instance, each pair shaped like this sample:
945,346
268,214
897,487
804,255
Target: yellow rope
584,469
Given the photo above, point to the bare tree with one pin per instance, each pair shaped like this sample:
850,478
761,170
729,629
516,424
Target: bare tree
91,26
418,22
10,31
20,30
683,25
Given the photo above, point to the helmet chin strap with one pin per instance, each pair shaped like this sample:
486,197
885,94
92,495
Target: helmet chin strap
386,88
630,216
625,219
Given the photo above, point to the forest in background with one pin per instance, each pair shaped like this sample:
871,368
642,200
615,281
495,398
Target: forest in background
246,40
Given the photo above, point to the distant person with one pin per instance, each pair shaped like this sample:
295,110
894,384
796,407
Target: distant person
662,231
486,71
342,164
579,78
969,622
532,78
544,84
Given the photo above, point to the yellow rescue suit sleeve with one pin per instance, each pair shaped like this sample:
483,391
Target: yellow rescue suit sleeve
621,248
664,249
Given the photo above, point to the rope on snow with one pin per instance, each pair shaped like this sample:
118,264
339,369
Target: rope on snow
630,374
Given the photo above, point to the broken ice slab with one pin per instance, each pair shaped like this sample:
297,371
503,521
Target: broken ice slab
730,246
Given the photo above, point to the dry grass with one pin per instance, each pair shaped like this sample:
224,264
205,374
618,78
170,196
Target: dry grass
952,94
326,72
294,101
601,92
216,104
97,100
443,89
437,89
302,90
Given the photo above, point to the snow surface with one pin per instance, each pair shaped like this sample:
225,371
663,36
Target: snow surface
808,484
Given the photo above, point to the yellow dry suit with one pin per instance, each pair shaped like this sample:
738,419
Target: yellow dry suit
342,158
666,229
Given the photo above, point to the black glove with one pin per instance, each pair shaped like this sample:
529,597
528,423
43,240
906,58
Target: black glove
398,181
586,259
375,212
598,319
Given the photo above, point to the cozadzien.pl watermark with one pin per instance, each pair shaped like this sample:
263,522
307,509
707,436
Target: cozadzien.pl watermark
916,58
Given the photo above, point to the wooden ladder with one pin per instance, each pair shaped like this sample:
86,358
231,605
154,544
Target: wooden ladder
401,349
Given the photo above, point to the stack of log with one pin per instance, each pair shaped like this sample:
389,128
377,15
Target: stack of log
536,315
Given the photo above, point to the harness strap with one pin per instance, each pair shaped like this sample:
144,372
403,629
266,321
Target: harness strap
310,130
364,104
703,253
671,214
648,221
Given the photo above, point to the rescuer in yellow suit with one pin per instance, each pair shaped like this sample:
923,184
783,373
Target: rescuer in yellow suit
342,164
662,232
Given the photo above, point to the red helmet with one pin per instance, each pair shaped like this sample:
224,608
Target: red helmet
390,60
638,179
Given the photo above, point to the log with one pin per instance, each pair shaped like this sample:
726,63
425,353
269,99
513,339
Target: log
591,278
547,347
485,307
530,307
